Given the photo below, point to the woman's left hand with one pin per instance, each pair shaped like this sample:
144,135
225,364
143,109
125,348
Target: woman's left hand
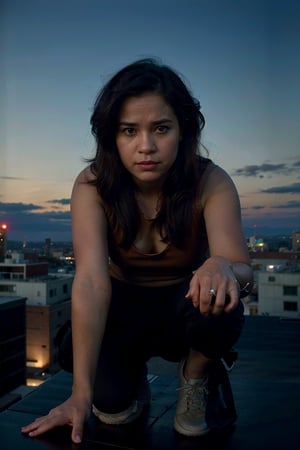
214,288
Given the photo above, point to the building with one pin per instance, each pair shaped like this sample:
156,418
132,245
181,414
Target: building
272,261
3,240
263,297
12,343
296,241
279,293
262,260
48,307
15,267
32,280
39,292
42,326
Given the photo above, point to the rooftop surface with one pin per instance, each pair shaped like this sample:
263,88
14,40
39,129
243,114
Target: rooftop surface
265,383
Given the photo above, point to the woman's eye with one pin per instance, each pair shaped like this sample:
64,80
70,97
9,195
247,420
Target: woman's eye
129,131
162,129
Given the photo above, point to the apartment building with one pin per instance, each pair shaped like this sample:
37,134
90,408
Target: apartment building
48,307
279,293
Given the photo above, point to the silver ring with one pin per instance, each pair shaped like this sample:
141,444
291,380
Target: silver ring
212,292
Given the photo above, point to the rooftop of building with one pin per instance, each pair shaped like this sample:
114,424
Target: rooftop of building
265,383
287,255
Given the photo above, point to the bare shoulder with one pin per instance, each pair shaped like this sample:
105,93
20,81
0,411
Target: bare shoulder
89,224
85,176
217,182
82,185
217,176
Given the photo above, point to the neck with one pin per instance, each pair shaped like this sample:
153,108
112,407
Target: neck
148,204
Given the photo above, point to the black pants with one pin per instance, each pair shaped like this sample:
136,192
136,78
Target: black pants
146,322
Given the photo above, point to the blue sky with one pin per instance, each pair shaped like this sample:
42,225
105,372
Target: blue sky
240,58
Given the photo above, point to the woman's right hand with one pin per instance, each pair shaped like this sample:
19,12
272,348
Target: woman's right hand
74,412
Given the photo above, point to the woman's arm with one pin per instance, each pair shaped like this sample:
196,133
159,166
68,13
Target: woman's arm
91,293
91,286
228,269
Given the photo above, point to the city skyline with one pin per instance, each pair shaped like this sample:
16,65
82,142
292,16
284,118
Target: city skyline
240,59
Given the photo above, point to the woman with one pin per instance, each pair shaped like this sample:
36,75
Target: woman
161,259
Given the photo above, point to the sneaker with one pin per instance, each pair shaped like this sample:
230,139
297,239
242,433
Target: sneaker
143,398
191,405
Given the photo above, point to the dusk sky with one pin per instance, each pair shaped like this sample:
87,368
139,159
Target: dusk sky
240,58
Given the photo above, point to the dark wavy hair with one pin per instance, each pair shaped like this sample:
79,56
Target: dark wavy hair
114,183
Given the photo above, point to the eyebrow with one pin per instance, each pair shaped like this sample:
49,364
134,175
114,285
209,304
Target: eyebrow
155,122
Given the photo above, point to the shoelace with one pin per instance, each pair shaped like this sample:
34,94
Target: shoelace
196,395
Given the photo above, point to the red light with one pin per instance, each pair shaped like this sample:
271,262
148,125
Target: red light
4,226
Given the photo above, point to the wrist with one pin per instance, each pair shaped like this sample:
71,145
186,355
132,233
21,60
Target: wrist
243,277
83,391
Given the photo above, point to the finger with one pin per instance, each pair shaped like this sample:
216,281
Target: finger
77,433
218,303
206,298
79,419
33,425
188,295
193,299
233,297
41,428
194,294
204,287
46,423
205,303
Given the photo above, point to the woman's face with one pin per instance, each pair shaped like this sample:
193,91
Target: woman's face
147,138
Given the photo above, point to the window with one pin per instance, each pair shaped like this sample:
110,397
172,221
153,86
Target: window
7,288
52,292
290,306
65,288
271,279
4,276
290,290
17,276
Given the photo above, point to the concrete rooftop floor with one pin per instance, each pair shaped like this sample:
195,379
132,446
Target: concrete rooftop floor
265,383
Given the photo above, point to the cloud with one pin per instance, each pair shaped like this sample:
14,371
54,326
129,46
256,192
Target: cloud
30,221
291,204
18,207
257,207
62,201
250,208
260,170
12,178
268,169
293,188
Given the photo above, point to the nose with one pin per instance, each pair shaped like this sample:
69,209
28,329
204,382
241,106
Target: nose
147,143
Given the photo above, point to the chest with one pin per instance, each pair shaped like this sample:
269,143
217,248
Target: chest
148,239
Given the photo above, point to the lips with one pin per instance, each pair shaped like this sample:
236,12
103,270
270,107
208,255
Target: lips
147,165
